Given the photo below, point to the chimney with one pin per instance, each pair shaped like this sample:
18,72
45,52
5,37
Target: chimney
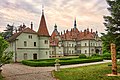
85,32
16,30
61,32
64,31
31,25
91,30
67,31
24,25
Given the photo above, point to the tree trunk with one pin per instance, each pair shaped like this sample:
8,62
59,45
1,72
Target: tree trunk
113,57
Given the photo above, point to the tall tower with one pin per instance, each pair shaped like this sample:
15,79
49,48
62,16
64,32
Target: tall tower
43,38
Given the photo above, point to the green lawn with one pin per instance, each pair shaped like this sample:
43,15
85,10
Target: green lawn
1,77
94,72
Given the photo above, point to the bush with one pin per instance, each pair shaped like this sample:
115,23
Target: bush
106,56
82,56
96,55
118,56
38,64
62,62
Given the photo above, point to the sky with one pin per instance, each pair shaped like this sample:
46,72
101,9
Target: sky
88,14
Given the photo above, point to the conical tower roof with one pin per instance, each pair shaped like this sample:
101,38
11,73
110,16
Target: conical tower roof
43,31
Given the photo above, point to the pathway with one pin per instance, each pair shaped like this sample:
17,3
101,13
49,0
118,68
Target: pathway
18,71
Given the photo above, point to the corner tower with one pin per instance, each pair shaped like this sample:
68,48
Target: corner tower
43,38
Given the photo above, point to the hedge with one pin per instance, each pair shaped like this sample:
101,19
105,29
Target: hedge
82,56
47,62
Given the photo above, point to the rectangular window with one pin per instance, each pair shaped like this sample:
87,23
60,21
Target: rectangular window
34,43
85,51
46,53
72,52
25,56
59,47
46,41
80,51
72,45
25,43
85,44
69,45
30,36
91,44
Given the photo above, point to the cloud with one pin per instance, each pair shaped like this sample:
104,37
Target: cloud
89,13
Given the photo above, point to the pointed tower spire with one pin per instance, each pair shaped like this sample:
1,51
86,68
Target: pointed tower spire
75,25
42,9
55,27
43,31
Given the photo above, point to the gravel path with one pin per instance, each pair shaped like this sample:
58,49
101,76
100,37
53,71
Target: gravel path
18,71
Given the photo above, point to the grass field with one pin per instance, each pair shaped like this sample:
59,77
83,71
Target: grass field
1,77
94,72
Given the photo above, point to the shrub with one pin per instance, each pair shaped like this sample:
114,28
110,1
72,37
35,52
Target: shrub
82,56
62,62
118,56
96,55
106,56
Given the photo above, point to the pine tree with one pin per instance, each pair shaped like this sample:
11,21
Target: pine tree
112,24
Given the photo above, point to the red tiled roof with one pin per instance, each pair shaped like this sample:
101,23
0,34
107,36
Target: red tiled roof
26,30
87,36
54,34
70,35
43,31
75,34
54,42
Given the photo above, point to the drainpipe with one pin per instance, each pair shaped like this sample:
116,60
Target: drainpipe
15,52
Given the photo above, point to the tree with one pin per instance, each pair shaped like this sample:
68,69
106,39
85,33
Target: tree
9,31
112,24
5,57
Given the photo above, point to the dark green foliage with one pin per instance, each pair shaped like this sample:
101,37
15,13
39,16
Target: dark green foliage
118,56
51,62
112,24
96,55
106,56
5,57
9,31
1,77
82,56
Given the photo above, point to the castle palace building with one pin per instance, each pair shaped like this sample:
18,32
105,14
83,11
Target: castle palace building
74,42
29,44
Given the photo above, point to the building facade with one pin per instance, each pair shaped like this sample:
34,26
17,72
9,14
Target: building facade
75,42
29,44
